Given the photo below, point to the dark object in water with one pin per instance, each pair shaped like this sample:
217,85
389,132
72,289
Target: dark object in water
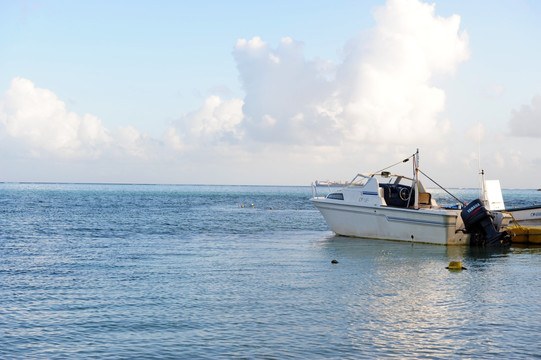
334,262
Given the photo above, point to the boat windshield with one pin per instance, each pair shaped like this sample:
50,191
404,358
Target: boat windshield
383,178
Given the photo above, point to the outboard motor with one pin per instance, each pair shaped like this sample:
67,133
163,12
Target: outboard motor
479,223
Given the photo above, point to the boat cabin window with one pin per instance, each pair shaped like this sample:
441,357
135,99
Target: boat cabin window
336,196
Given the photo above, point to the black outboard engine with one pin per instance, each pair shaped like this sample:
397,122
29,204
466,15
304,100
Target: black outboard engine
479,223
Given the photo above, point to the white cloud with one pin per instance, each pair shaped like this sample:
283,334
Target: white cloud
527,120
216,121
386,78
40,120
173,141
280,84
381,92
131,142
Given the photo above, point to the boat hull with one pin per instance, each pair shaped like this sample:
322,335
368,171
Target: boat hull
388,223
527,215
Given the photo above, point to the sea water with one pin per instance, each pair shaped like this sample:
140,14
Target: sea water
245,272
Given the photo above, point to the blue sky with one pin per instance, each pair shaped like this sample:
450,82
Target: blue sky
280,92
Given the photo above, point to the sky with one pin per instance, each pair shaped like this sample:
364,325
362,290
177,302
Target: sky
269,92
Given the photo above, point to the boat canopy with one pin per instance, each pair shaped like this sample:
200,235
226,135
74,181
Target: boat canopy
385,177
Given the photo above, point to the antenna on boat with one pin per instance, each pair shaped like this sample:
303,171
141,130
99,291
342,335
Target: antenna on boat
482,189
416,179
483,195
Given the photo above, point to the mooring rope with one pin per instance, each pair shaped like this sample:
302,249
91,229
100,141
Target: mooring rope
441,187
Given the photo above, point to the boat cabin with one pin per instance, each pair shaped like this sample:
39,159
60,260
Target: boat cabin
384,190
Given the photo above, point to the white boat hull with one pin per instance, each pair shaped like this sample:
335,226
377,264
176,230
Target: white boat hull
527,216
433,226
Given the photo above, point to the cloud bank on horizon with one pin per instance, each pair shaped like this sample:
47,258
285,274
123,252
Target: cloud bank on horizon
382,92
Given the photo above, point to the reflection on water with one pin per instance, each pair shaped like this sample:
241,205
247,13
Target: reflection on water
405,302
526,249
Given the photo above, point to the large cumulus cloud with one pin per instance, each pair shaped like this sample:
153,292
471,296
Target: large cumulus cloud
283,92
37,118
382,91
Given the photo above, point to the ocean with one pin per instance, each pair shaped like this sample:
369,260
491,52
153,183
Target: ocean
97,271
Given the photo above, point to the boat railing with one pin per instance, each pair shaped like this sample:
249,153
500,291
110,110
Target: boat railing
314,192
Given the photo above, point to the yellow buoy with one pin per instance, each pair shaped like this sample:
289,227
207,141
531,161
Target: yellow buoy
455,266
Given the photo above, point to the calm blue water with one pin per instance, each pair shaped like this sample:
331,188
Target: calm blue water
154,271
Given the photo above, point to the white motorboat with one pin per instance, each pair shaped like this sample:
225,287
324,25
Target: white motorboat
396,207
